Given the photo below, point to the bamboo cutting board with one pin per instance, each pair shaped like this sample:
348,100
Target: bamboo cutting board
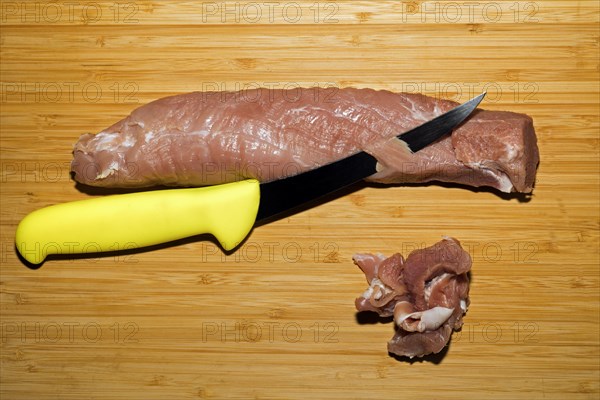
276,319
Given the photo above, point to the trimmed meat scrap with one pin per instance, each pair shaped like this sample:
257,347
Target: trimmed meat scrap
206,138
427,294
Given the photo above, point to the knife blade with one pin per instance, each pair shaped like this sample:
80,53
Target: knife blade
228,211
288,193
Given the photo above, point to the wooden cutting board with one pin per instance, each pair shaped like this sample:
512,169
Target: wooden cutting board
276,319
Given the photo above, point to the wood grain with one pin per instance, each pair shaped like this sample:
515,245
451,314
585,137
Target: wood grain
276,319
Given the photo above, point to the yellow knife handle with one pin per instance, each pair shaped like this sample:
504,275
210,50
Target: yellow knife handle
135,220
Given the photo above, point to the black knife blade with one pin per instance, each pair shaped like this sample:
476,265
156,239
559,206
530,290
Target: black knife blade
287,194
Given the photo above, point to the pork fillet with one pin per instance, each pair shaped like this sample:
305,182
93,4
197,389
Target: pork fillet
206,138
428,294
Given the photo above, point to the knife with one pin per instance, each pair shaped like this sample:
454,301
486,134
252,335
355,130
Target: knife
227,211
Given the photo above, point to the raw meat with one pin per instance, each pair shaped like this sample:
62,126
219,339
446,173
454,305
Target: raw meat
428,294
206,138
